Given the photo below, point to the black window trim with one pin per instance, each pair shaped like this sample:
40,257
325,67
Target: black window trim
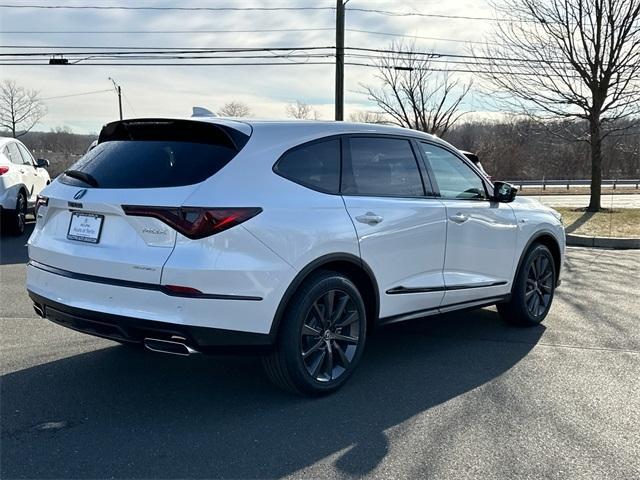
416,155
464,160
429,184
305,145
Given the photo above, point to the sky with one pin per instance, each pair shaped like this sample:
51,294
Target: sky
161,91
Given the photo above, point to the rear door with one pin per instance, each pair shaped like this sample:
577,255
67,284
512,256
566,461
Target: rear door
400,226
481,234
37,175
24,174
84,228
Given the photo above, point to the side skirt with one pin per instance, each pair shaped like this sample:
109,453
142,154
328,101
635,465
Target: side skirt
454,307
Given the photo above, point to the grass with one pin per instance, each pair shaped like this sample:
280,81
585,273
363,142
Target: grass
576,191
621,222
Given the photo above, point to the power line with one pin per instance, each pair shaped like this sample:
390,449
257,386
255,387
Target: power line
394,34
76,94
263,9
157,8
160,50
264,30
126,99
194,50
92,32
428,15
255,64
175,64
456,70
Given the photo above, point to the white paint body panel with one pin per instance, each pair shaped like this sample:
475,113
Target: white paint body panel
19,177
415,246
405,249
480,251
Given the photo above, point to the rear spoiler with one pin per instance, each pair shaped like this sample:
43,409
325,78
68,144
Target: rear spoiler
194,131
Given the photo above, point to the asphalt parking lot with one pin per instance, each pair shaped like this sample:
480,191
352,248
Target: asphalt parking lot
459,396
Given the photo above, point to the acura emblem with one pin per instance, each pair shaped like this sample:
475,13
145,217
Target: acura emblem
80,193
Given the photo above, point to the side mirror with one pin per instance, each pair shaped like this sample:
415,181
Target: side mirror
42,163
504,192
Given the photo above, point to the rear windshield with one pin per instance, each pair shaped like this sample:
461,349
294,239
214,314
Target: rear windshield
153,156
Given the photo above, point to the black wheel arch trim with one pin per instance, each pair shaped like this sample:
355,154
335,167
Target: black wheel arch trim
535,238
317,264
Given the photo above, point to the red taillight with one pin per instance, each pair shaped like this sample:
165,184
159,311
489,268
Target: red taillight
41,201
3,169
182,291
195,222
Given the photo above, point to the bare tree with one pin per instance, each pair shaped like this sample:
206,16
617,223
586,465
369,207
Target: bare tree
302,111
412,94
20,109
367,116
235,109
569,59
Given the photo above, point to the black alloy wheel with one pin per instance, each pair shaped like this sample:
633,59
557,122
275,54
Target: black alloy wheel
321,336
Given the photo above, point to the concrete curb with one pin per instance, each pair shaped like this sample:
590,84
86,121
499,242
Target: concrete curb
602,242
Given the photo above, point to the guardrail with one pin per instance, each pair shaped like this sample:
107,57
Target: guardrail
544,183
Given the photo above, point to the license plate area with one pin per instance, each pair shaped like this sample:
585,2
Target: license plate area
85,227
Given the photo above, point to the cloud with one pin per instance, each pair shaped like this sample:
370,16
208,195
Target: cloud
172,91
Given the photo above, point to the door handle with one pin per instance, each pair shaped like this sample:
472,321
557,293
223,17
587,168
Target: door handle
21,171
369,218
459,218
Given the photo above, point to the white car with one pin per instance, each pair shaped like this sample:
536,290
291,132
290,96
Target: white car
293,239
21,180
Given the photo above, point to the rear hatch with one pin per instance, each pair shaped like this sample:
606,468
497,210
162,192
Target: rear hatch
81,224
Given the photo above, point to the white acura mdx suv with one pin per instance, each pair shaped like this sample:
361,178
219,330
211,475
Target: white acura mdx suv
21,180
293,239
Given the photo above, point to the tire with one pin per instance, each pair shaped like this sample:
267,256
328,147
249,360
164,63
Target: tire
14,221
321,337
533,289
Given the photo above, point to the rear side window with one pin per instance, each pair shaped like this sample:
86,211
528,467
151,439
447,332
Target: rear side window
381,167
315,165
14,154
155,154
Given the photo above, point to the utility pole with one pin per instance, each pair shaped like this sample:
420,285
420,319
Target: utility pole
339,97
119,92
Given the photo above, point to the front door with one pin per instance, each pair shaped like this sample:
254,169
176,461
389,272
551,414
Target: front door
37,175
481,234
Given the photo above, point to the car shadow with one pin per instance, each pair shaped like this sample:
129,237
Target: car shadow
119,412
13,249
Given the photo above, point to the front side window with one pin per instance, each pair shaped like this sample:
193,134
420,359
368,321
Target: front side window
455,179
381,167
315,165
26,156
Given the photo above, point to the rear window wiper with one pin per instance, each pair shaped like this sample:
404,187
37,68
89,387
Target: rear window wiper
82,176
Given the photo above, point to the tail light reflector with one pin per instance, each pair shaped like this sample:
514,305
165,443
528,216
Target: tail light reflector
41,201
3,169
182,290
195,222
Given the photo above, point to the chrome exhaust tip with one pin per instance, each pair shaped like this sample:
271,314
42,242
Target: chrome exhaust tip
168,346
38,310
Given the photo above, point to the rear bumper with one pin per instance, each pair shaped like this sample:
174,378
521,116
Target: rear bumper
129,311
135,330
